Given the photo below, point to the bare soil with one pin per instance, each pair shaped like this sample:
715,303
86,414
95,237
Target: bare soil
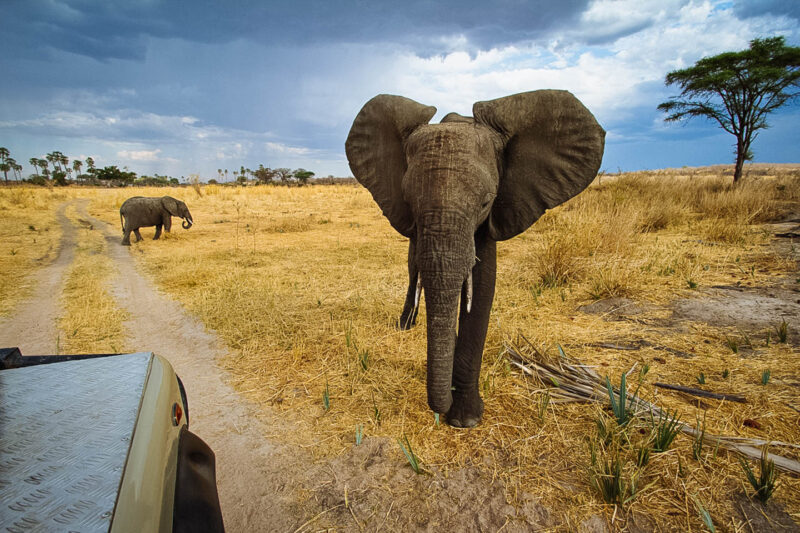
266,485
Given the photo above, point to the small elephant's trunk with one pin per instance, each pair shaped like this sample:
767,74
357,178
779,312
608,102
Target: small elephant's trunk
187,223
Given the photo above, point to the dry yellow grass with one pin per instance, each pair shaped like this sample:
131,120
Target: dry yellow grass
91,321
301,283
29,234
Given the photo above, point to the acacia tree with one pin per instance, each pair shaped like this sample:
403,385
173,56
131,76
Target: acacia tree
302,176
283,174
737,90
264,174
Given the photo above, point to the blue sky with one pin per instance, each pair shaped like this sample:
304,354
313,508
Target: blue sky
183,87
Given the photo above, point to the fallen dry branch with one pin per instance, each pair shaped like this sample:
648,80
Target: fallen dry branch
570,381
702,393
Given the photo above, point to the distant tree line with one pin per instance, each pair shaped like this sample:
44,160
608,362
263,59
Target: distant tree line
56,169
265,176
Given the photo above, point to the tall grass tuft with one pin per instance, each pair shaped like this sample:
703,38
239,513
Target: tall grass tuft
765,484
665,429
607,476
783,332
623,408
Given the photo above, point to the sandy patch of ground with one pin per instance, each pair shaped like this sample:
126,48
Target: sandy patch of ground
751,309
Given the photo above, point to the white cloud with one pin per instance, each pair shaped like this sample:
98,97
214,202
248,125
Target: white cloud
139,155
286,149
612,80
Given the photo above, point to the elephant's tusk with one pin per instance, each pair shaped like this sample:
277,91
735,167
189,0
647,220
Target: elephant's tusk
419,291
469,291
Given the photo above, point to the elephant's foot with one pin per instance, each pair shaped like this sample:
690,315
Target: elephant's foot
466,411
126,243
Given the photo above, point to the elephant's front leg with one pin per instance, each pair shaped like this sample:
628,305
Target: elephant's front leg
158,232
408,318
467,408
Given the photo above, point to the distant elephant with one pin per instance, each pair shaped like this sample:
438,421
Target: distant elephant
139,211
455,189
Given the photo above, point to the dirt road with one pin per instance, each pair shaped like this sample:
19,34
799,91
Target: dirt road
265,485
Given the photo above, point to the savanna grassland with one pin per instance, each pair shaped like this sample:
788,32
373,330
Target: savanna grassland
304,285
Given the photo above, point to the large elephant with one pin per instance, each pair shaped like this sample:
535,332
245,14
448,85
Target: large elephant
455,189
140,211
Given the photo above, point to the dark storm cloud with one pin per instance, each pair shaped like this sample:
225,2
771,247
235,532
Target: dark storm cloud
755,8
119,28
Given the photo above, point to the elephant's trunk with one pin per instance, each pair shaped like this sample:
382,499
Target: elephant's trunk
442,317
446,254
187,223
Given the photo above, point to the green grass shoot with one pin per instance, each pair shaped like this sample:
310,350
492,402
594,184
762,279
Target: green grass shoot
665,429
413,460
765,484
622,409
326,397
697,444
704,515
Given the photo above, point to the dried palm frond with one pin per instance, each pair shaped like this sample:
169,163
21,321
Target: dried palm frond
571,381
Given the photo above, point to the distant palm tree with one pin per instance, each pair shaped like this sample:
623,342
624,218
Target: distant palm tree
54,158
4,166
43,166
18,171
64,160
12,164
90,165
76,166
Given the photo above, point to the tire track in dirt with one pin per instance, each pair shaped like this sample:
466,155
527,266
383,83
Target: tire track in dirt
251,471
32,326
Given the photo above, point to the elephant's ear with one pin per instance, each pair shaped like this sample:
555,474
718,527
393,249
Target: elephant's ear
553,150
171,205
376,152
